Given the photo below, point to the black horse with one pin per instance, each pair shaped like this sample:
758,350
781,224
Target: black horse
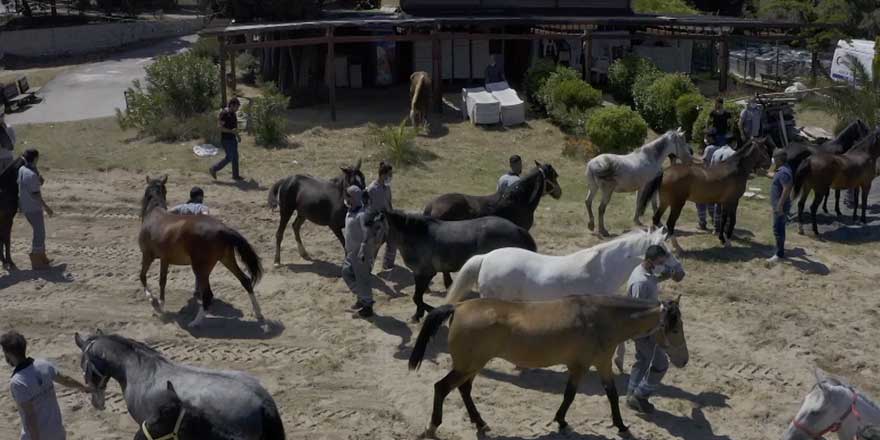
176,420
8,208
317,200
429,245
517,204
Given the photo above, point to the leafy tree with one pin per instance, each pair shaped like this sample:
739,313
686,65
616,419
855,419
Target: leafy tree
664,7
858,100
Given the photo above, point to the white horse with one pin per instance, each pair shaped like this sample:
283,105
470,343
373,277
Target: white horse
832,406
631,172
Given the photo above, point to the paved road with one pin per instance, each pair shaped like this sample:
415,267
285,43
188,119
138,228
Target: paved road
95,90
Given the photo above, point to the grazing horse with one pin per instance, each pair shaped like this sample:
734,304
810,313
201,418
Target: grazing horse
576,331
833,406
629,173
419,98
428,245
231,402
723,184
317,200
175,420
8,208
821,172
199,241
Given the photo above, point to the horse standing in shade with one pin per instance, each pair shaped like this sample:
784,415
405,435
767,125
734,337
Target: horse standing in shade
419,98
630,173
428,245
723,184
576,331
8,208
231,402
200,241
822,172
833,406
316,200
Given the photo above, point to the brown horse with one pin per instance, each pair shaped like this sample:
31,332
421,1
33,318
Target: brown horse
199,241
822,172
576,331
8,208
723,183
419,98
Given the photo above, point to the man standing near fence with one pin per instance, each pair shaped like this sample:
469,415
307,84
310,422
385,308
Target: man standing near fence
229,139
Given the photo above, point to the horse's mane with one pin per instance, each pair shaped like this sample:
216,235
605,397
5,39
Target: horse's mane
136,346
866,142
653,144
410,222
638,233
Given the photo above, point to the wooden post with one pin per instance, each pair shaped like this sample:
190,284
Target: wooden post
587,48
222,41
724,63
232,71
470,62
331,72
437,71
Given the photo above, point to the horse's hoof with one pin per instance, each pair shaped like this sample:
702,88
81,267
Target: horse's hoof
603,233
430,432
277,263
415,319
727,244
591,226
483,429
158,306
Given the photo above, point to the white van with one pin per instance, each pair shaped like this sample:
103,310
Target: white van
863,50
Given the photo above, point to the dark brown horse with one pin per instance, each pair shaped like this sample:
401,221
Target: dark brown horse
822,172
419,98
723,183
316,200
199,241
8,208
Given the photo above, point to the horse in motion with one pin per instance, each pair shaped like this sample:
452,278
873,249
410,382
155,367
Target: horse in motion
821,172
316,200
576,331
723,183
833,406
419,98
517,204
607,173
199,241
229,402
429,246
8,208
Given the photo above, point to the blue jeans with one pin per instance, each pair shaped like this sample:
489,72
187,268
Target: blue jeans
649,369
231,148
714,213
35,218
357,277
720,139
779,222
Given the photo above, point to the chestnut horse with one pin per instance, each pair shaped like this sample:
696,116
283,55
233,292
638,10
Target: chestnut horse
822,172
419,98
723,183
576,331
199,241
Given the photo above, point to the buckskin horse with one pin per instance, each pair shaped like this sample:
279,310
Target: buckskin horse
419,98
317,200
576,331
200,241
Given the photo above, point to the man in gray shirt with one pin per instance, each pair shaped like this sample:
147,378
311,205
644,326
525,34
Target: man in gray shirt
750,120
194,206
651,361
32,389
512,176
31,203
379,199
357,263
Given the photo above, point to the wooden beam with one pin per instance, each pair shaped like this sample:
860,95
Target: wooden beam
723,65
587,48
222,41
232,71
437,73
331,71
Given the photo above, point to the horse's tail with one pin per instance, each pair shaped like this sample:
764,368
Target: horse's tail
467,278
245,252
433,321
647,193
803,170
273,427
417,92
274,193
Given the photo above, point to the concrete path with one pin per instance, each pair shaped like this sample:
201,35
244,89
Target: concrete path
95,90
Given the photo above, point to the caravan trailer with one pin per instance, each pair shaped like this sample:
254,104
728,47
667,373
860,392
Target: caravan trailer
863,50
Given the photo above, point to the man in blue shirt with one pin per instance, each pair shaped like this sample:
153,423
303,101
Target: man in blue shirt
780,192
508,179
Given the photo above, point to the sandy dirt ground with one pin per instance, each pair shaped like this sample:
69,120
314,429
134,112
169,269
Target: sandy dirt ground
754,333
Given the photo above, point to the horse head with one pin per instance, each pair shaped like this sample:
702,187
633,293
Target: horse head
376,223
678,146
829,407
674,269
671,334
352,175
95,368
759,151
154,195
551,184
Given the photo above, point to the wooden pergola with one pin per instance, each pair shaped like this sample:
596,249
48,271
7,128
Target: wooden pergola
723,30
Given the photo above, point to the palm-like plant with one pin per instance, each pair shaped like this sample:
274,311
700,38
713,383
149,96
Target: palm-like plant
859,99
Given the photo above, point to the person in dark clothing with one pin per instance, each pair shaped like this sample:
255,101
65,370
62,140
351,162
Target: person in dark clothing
494,72
229,138
720,118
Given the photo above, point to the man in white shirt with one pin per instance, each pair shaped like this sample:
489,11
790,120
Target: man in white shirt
195,205
33,390
512,176
31,204
7,142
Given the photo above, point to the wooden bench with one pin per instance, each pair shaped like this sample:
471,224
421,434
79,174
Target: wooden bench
25,89
12,98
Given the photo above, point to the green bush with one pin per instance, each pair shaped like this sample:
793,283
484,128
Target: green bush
702,123
655,98
247,67
559,75
616,129
622,74
568,99
266,114
397,143
687,108
576,93
206,48
534,79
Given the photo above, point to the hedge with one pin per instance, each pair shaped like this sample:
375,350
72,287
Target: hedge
622,74
655,98
687,108
616,129
551,83
700,125
535,78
